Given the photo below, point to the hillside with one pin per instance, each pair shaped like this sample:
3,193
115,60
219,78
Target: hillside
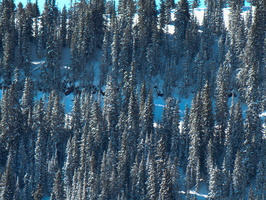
133,101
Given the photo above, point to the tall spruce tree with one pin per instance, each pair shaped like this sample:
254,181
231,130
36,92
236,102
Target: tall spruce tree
147,25
239,177
215,184
194,162
8,40
221,109
184,139
58,188
111,109
182,17
8,179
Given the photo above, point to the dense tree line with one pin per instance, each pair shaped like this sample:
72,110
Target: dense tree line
108,146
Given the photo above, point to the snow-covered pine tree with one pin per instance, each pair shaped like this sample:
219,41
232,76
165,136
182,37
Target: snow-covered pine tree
8,40
215,184
239,177
8,179
58,187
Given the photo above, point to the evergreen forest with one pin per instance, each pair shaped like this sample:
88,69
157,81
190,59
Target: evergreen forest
114,59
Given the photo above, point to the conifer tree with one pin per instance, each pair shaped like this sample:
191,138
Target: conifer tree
111,108
207,121
237,36
104,179
126,44
251,195
163,15
147,25
51,72
63,31
8,179
184,139
8,38
155,53
151,180
92,184
58,188
124,164
38,194
253,140
40,159
98,10
173,166
27,103
161,156
166,191
215,184
106,59
191,40
234,135
226,182
57,136
72,162
182,17
24,35
133,124
141,180
11,120
195,154
99,138
221,110
260,180
239,177
115,47
195,4
76,114
171,125
49,21
134,179
249,76
147,115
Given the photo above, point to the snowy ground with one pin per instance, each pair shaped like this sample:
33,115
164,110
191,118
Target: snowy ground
199,14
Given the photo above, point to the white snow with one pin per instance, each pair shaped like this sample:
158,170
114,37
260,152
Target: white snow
37,62
262,114
199,195
160,105
199,14
156,125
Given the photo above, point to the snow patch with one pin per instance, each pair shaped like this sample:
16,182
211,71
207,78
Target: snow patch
37,62
195,193
262,114
156,125
199,14
160,105
198,194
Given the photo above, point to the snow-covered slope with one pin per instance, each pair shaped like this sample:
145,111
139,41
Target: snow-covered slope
199,14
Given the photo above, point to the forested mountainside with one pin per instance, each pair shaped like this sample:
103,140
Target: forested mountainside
115,61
